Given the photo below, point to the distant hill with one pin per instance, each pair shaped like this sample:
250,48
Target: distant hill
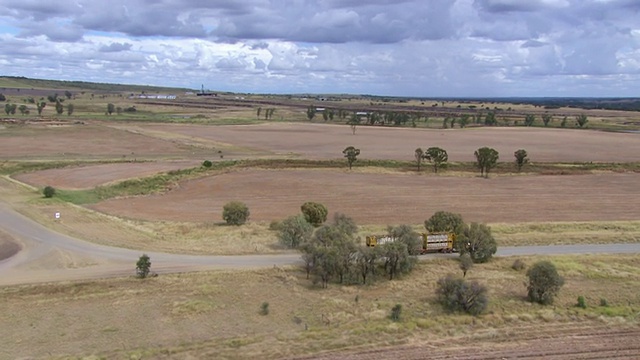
13,82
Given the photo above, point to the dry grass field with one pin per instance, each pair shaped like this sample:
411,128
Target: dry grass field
217,315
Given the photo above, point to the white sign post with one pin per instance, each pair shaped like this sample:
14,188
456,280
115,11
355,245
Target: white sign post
57,216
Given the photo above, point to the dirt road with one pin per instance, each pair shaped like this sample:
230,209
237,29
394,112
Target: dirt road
47,256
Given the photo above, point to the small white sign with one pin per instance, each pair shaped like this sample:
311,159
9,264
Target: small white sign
57,215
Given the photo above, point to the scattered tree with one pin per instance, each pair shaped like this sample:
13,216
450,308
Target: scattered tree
351,153
258,111
59,108
563,123
529,119
311,112
546,119
396,312
466,263
518,265
521,158
408,236
464,121
294,231
456,294
3,98
582,120
143,266
397,258
70,109
235,213
40,106
68,94
23,109
582,303
345,224
264,308
480,244
353,122
419,155
110,108
314,213
207,163
544,282
48,191
444,221
486,158
437,156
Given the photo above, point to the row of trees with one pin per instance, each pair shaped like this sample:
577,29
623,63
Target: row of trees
10,109
401,118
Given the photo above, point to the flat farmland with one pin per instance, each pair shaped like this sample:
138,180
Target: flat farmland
85,177
322,141
392,198
84,142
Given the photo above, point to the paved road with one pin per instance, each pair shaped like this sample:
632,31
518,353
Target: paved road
51,256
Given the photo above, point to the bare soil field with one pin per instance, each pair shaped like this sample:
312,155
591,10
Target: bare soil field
86,177
84,142
322,141
372,198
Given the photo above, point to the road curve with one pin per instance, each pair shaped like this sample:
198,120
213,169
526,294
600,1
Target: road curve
97,261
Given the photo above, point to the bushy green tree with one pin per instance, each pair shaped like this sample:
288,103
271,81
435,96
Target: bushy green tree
294,230
110,108
315,213
235,213
351,153
458,295
143,266
311,112
480,244
345,224
445,221
581,120
207,163
486,158
437,156
544,282
521,158
48,191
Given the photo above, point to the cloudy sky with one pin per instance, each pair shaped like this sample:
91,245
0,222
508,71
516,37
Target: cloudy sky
424,48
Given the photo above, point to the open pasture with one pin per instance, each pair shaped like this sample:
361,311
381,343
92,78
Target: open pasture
372,198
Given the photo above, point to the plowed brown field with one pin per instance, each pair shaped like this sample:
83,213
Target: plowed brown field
393,198
85,177
321,141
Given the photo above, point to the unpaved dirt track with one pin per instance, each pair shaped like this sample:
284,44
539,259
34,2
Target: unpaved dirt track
84,260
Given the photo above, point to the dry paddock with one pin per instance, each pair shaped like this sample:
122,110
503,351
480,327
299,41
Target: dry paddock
377,198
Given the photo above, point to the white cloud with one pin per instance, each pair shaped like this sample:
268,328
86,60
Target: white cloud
408,47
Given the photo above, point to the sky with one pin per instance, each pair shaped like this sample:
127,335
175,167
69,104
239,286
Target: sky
417,48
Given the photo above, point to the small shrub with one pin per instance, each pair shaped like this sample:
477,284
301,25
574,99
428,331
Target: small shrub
518,265
207,163
396,312
544,283
456,294
314,213
49,191
581,302
264,308
235,213
604,302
